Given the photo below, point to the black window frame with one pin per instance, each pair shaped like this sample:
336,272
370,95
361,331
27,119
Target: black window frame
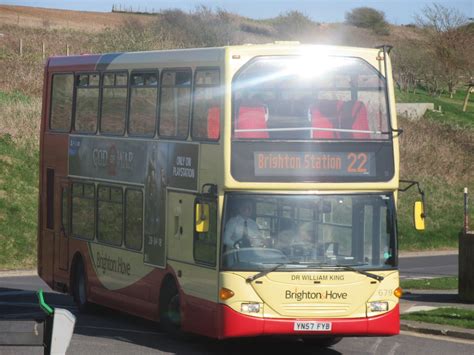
97,200
101,100
99,106
94,199
51,91
50,198
157,108
66,209
125,218
163,72
193,103
209,201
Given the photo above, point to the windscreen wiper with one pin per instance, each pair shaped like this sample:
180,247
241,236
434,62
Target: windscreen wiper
368,274
264,272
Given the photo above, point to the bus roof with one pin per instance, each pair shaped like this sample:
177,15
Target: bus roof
190,57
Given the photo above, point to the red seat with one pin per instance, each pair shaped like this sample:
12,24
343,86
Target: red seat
354,116
361,123
350,115
213,122
324,115
252,117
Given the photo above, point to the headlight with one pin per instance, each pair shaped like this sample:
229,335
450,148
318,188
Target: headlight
378,306
250,307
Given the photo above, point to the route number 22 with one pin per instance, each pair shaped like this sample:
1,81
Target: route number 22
358,163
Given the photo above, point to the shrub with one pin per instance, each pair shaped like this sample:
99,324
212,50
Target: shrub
367,17
293,25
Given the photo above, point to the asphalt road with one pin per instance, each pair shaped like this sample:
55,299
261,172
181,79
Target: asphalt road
110,332
428,266
107,332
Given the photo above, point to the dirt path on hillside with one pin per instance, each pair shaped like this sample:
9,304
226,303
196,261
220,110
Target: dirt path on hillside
51,18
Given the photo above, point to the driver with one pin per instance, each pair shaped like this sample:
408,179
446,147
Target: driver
242,230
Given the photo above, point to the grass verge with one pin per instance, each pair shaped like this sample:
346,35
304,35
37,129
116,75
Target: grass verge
18,205
20,118
451,109
437,151
441,283
458,317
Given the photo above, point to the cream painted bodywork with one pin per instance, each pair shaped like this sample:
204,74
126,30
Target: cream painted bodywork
111,266
351,295
200,280
195,280
238,56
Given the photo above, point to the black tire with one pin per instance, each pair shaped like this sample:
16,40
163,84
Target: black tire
170,310
80,288
323,342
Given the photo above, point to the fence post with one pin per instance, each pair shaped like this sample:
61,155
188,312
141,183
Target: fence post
466,255
466,207
44,50
470,88
67,49
21,47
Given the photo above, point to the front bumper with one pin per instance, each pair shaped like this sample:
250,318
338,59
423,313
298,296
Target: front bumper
234,324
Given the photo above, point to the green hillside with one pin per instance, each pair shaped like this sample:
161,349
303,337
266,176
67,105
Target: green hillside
438,150
18,205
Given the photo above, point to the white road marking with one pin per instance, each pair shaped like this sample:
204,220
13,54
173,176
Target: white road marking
374,347
394,347
434,337
419,308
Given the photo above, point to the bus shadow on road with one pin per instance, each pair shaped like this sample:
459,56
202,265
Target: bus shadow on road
106,323
432,297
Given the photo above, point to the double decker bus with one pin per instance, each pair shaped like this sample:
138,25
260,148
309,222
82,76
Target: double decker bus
149,160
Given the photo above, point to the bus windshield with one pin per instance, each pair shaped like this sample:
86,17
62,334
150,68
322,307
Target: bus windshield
309,97
261,231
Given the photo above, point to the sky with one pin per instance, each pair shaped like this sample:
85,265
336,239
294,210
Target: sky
396,12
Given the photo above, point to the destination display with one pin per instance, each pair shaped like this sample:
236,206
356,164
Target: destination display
274,161
314,163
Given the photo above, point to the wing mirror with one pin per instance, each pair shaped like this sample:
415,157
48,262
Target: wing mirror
419,216
202,217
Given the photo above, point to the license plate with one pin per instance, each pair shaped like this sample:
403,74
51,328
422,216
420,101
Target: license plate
312,326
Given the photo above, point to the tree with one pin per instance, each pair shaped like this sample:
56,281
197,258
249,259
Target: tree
293,25
448,39
367,17
409,64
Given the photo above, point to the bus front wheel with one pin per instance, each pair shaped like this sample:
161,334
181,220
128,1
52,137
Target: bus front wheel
80,288
170,310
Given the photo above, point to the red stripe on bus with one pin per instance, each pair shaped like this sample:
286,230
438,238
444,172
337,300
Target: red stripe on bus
235,324
74,63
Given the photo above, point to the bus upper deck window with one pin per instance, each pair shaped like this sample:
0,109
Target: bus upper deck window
114,103
206,104
143,104
332,98
87,102
61,102
175,102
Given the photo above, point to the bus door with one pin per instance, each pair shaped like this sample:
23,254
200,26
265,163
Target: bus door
64,225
